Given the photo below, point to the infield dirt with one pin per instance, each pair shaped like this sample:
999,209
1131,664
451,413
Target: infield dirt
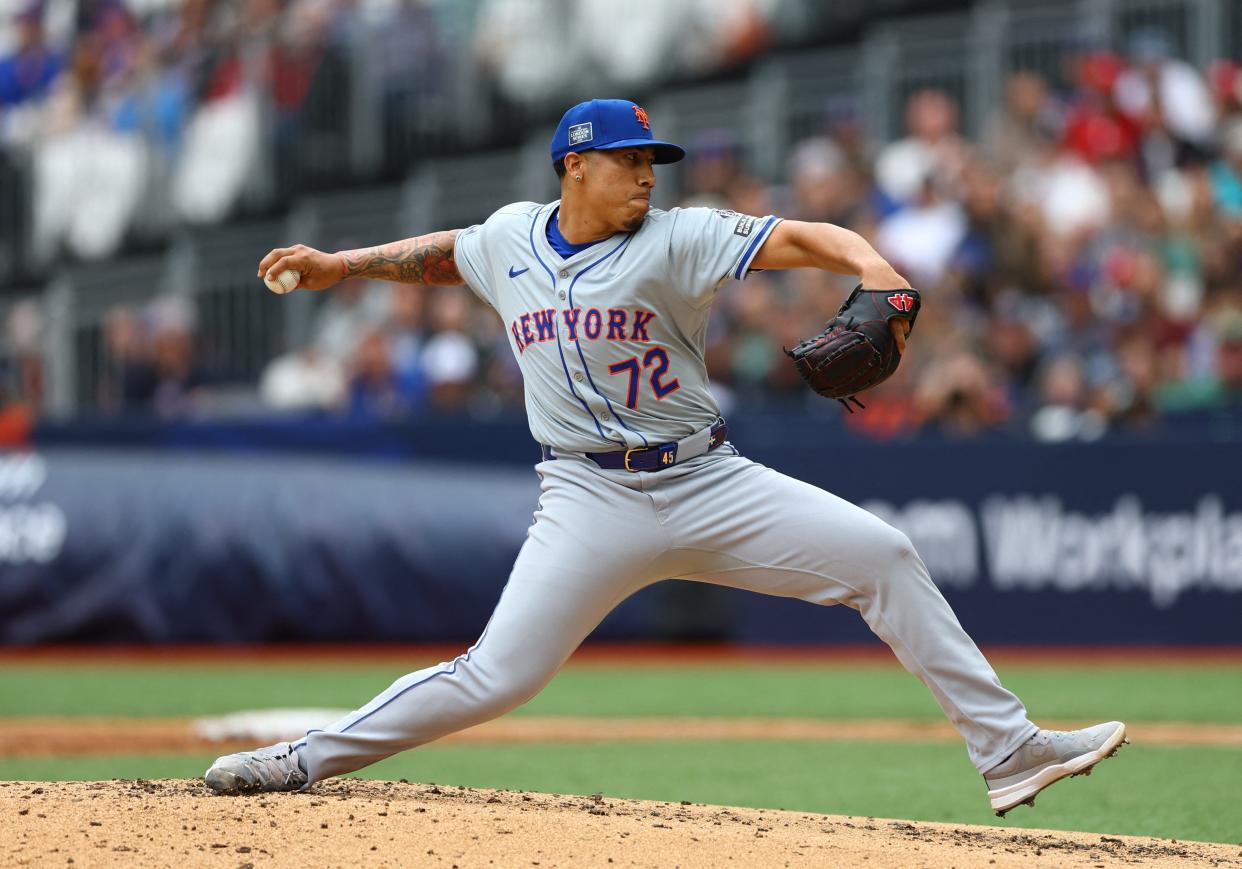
351,822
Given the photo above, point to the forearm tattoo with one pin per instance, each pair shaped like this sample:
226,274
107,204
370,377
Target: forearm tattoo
427,259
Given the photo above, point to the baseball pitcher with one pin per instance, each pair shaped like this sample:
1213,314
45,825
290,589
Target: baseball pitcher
605,301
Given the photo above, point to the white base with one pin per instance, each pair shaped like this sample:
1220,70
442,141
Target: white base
265,726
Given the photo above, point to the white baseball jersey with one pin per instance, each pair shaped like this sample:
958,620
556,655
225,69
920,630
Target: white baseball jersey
611,340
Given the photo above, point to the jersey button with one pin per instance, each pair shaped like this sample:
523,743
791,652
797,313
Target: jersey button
564,273
578,376
562,294
604,416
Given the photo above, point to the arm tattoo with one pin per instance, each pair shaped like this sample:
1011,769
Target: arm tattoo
427,259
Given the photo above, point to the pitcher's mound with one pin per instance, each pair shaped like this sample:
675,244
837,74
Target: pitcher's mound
351,822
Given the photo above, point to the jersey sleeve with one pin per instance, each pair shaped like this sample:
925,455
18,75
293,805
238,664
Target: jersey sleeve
470,255
708,246
483,250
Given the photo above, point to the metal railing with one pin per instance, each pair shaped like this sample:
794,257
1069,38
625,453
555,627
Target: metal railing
16,214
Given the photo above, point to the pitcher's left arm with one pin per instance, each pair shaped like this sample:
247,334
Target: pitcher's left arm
796,244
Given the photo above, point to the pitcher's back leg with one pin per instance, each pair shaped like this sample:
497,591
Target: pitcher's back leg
580,560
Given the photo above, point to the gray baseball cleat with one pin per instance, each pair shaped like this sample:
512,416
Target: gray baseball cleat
275,768
1047,757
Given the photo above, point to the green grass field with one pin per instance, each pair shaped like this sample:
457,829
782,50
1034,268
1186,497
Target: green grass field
1175,792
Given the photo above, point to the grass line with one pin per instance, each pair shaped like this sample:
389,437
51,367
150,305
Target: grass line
1191,694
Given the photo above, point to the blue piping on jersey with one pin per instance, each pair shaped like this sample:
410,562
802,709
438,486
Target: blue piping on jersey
586,367
569,380
754,247
449,672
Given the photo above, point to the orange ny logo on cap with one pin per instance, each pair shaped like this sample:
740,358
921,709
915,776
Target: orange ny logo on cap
641,114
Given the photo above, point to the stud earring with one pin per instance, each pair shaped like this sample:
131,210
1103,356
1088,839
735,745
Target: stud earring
577,177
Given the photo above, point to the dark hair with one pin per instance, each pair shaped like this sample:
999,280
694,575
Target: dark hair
558,166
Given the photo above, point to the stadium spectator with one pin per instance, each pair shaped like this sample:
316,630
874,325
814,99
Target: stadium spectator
525,47
713,169
128,378
958,397
377,390
921,238
155,101
1027,122
934,149
1225,81
500,378
407,327
1070,194
88,176
825,185
1011,342
1131,400
996,247
151,363
303,380
27,73
23,360
1222,388
180,379
1169,99
1226,173
1095,126
416,69
1065,411
753,354
349,312
222,136
450,359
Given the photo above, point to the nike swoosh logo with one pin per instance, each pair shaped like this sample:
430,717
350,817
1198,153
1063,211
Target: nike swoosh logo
514,274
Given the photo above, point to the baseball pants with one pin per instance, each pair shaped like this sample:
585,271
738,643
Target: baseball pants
599,536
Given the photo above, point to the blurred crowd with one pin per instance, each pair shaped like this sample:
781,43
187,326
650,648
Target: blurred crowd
1081,264
1081,260
139,115
142,114
383,352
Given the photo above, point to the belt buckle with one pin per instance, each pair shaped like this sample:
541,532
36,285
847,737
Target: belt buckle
627,459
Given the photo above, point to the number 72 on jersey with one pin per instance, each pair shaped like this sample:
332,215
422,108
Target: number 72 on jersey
655,366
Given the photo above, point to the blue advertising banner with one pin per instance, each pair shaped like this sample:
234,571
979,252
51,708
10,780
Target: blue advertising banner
1105,543
1081,543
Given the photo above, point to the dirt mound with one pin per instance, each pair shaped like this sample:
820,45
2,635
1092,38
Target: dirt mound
349,822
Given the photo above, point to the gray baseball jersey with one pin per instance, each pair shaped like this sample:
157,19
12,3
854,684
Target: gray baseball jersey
610,341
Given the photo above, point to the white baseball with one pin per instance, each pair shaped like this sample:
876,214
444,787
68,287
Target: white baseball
286,282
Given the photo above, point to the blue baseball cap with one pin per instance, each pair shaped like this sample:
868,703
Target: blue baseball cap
603,125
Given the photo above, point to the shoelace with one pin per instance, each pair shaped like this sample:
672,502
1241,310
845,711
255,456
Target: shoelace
1073,739
269,761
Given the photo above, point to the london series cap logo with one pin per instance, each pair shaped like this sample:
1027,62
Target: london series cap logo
580,133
